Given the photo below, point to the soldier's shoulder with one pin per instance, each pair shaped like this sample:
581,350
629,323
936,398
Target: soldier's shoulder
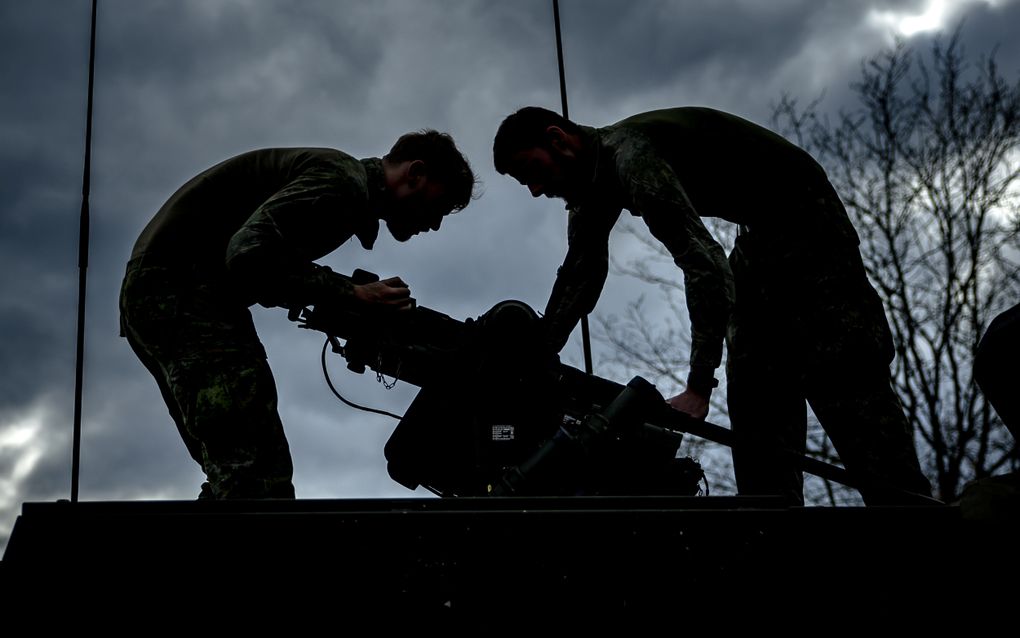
296,158
626,147
331,156
332,163
667,115
330,168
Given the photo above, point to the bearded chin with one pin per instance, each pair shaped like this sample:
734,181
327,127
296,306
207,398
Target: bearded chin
398,233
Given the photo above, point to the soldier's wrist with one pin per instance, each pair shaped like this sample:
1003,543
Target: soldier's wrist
702,380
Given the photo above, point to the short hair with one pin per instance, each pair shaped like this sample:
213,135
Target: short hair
444,163
526,129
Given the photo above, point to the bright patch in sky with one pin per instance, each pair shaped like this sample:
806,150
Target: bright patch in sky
21,448
935,15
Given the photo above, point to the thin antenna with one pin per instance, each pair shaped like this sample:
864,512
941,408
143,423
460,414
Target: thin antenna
83,265
585,334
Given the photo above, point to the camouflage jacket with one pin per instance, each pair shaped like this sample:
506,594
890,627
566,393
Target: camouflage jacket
670,168
259,220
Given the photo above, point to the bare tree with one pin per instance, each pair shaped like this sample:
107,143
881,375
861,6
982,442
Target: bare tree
928,165
656,347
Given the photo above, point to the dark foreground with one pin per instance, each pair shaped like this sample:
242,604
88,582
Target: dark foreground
573,557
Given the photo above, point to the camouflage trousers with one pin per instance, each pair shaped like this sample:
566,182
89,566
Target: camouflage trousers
807,325
212,372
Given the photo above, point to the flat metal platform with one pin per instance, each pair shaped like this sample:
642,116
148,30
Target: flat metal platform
566,555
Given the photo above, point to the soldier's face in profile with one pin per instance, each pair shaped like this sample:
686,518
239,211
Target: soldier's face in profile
416,209
545,171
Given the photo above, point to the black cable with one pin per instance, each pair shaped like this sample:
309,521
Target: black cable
325,373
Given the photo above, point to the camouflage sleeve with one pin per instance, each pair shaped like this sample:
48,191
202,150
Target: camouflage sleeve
270,258
658,197
580,279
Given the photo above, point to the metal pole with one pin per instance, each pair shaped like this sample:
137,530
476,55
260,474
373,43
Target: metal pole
585,334
83,265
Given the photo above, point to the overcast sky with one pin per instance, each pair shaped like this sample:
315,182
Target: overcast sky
181,85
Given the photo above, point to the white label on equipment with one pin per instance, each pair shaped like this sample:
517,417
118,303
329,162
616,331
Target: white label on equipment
502,433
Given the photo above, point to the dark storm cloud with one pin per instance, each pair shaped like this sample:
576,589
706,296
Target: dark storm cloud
741,56
197,56
41,113
31,356
629,47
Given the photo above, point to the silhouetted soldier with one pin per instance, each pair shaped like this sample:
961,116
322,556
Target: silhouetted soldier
995,367
997,498
248,230
806,323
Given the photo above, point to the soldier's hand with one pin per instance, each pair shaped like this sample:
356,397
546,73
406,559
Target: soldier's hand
392,293
690,403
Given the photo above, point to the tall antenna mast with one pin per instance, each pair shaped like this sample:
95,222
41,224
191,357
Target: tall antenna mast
83,266
585,334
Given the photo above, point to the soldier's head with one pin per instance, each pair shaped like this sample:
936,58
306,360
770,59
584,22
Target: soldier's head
427,178
542,150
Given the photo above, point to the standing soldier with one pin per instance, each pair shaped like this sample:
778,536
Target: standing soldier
804,322
248,230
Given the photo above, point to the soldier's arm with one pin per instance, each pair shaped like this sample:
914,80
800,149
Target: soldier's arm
580,279
270,258
657,195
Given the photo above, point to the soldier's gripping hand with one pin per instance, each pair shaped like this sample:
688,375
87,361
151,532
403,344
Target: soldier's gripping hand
691,403
391,293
